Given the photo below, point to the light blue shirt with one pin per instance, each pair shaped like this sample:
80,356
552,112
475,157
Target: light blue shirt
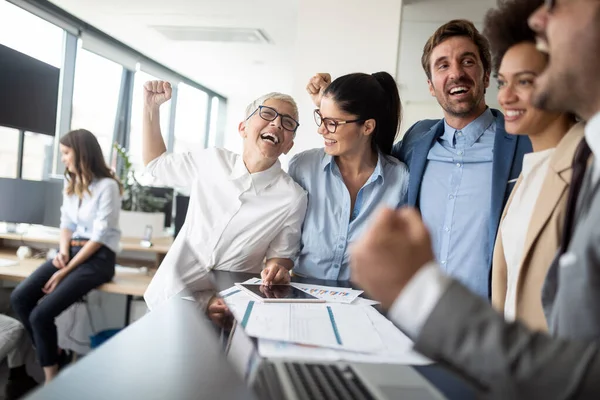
455,200
97,218
328,227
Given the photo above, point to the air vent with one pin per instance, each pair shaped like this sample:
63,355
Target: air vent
213,34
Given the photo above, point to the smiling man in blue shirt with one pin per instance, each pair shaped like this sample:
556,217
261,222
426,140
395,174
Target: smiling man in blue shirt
462,168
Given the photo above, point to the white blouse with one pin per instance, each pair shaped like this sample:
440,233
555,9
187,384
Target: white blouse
516,222
234,220
97,218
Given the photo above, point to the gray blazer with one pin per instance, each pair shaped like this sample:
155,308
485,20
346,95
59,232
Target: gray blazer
507,361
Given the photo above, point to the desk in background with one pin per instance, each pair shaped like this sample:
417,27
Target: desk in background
160,245
126,283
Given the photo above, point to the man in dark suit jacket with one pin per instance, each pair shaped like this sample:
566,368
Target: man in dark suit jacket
462,168
395,264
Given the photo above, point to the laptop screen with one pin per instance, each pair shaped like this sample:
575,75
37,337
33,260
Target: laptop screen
239,348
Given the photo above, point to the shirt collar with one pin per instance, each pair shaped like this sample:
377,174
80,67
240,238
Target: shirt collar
471,132
592,134
328,161
260,180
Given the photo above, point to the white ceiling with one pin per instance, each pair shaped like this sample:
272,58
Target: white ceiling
243,70
227,68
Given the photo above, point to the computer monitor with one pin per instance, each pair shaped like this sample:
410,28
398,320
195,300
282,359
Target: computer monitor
168,193
22,201
53,201
181,208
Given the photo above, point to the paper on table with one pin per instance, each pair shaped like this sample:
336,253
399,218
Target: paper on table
398,349
339,326
360,301
329,293
236,301
253,281
7,263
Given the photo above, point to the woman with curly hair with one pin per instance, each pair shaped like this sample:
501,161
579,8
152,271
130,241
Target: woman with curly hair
532,222
89,240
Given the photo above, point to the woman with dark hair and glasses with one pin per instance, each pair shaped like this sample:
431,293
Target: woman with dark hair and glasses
358,116
89,241
532,223
244,209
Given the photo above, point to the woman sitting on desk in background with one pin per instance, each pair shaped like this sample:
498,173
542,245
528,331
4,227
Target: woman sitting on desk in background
89,240
532,223
243,208
358,116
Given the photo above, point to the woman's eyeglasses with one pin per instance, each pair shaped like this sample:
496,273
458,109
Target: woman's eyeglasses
331,124
270,114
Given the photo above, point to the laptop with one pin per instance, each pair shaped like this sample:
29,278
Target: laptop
293,379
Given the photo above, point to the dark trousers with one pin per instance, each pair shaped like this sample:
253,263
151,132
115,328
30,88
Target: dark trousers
38,316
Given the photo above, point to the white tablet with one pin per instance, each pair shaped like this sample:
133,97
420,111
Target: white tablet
278,293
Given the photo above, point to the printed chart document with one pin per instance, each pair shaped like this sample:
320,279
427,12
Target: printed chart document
398,348
337,326
330,294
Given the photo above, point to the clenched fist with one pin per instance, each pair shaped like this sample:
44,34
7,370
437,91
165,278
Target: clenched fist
316,86
394,248
156,93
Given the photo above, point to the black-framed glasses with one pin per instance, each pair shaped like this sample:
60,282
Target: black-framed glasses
550,4
331,124
270,114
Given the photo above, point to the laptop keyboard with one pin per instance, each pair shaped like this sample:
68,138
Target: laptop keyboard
313,381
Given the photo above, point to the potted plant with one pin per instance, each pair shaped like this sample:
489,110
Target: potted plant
139,208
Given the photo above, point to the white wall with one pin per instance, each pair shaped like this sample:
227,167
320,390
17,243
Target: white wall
341,37
335,36
418,110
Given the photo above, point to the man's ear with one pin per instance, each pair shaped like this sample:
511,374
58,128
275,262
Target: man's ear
369,126
288,147
431,88
242,129
486,80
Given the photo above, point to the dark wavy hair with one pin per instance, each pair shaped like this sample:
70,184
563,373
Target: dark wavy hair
506,26
89,162
371,96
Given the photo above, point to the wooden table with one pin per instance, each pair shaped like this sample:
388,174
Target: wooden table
127,283
160,245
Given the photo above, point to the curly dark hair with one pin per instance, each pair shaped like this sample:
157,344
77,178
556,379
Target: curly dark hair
506,25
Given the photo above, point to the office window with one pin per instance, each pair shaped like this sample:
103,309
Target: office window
37,156
190,118
135,135
214,120
31,35
9,152
96,97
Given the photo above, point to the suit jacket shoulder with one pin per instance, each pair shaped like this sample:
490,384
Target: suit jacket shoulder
404,147
506,360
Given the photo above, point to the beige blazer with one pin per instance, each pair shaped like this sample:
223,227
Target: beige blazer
543,236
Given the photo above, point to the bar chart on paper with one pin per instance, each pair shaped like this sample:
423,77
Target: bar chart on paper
330,294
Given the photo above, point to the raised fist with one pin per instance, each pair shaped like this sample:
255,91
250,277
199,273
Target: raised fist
316,86
156,93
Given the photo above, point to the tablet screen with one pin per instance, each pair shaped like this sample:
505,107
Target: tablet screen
277,292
